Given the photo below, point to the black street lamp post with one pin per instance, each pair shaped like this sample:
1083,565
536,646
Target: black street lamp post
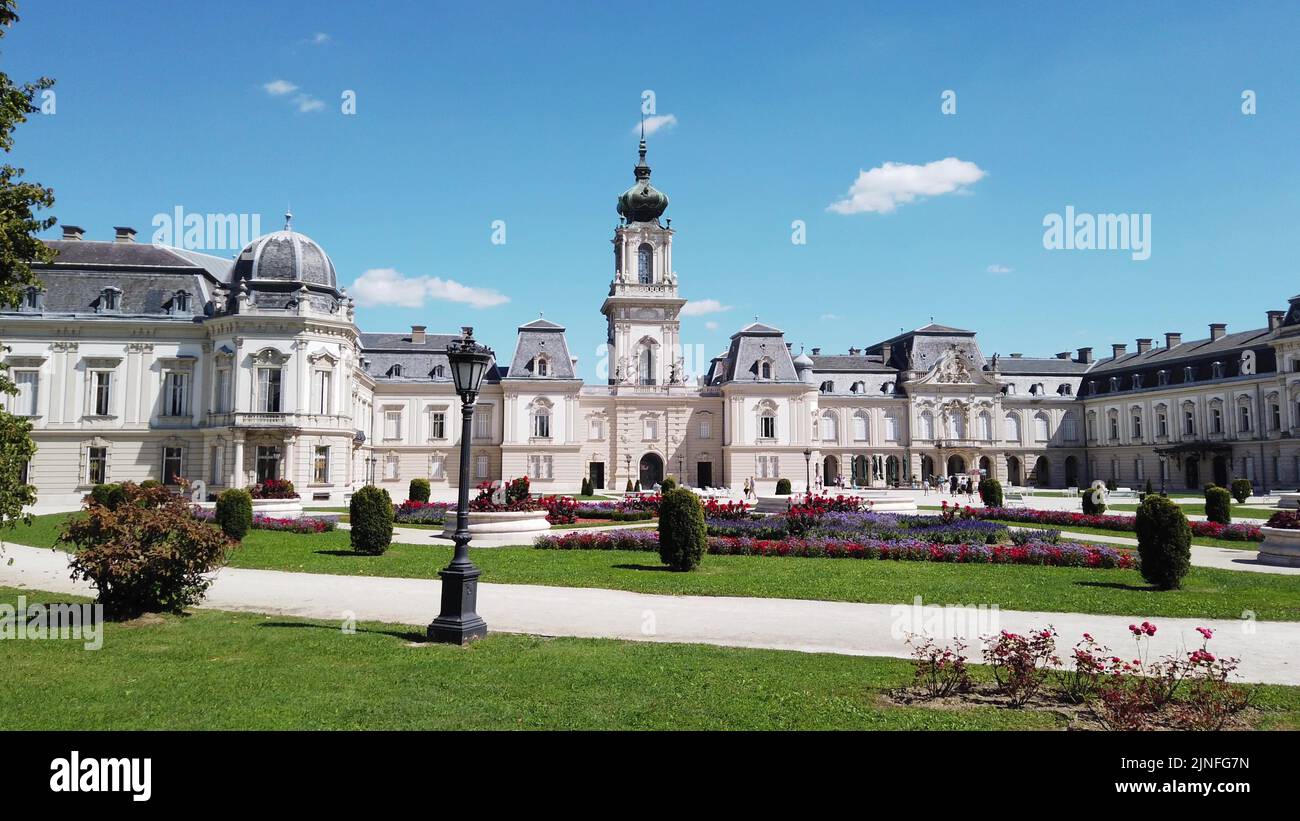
459,623
807,471
1164,471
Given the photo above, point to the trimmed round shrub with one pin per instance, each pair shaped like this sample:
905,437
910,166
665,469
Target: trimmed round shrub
1094,502
110,495
1241,490
150,484
371,515
419,490
782,487
683,537
235,512
668,484
990,492
1164,542
1218,505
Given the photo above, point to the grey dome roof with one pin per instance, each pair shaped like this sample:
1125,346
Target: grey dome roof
802,361
287,256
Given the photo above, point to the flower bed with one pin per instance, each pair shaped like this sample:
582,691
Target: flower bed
1055,555
1065,519
274,489
300,524
421,513
855,526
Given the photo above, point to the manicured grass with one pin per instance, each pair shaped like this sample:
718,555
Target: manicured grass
1203,541
1208,592
1238,511
220,670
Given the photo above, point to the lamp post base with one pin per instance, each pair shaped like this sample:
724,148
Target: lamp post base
458,623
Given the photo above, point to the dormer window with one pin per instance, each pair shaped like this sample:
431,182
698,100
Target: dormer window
765,370
1162,377
181,302
395,371
1189,374
110,299
887,387
31,298
1114,383
859,387
438,372
645,264
1216,370
828,387
543,367
1092,387
1137,380
1064,390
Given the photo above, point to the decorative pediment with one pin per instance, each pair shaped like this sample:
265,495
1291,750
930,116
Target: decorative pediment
955,368
269,356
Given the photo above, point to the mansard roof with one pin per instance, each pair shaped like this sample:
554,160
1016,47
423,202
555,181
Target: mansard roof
1041,366
749,347
849,363
538,338
381,351
1196,350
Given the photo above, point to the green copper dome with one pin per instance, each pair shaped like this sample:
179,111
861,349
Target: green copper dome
642,202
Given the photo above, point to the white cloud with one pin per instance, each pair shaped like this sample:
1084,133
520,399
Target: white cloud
830,317
379,287
883,189
711,325
998,269
279,88
320,38
658,122
700,307
306,103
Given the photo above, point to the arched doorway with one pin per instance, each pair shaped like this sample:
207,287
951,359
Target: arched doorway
830,470
1071,472
652,470
1192,472
956,465
891,470
1221,471
860,476
1013,470
1042,472
927,468
986,467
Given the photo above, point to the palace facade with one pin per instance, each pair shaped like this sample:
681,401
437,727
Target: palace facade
136,361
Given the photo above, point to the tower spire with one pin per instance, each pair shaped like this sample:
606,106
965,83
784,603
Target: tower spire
288,218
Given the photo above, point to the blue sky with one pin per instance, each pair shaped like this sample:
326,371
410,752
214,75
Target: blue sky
470,113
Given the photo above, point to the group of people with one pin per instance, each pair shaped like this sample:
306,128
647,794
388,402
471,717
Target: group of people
956,485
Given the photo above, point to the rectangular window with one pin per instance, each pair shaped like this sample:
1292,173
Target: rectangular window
1162,425
214,476
176,394
323,393
268,462
481,466
390,466
1137,426
393,424
650,430
542,426
102,382
1139,470
96,465
482,422
321,465
767,427
172,466
437,466
268,389
24,403
1244,413
1275,414
1189,423
221,399
596,430
437,425
706,428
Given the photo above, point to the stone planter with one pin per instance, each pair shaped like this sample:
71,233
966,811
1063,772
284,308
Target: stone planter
1280,546
271,508
496,524
1289,501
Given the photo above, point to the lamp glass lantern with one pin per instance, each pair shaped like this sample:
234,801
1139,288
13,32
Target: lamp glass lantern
469,364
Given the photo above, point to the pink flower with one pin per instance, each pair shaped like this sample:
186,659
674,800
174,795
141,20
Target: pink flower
1205,632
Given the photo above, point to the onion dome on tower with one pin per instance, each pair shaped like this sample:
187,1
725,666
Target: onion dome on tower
642,202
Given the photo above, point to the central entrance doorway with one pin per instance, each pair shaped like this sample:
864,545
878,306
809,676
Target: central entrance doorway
704,474
652,470
596,472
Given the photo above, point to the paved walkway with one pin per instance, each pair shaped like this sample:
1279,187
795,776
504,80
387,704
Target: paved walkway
1269,650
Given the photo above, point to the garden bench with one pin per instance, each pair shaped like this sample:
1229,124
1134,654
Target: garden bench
1014,499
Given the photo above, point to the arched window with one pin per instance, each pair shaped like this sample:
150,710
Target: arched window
859,387
927,425
396,370
765,370
1011,428
648,366
541,420
1041,427
645,256
957,426
830,427
767,422
891,426
543,367
984,426
861,430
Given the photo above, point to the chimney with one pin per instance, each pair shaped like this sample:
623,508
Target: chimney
1016,355
123,234
1173,339
816,351
1217,330
886,352
1085,355
417,334
1275,319
1063,355
74,232
1144,345
1118,349
853,352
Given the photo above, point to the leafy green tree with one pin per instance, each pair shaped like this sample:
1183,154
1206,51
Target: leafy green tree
19,247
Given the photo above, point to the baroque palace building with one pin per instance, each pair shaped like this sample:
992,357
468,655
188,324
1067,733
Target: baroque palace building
136,361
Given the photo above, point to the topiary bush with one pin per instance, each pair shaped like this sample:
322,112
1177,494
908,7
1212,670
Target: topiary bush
235,512
150,484
1094,501
110,495
587,489
1164,542
990,492
667,484
149,554
682,534
371,515
1148,491
629,487
782,487
419,490
1218,505
1241,490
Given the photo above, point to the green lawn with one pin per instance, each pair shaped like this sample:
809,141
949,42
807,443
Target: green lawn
1204,541
1208,593
1238,511
218,670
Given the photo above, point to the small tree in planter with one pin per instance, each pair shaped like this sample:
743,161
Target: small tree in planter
235,512
419,490
1218,505
990,492
682,534
371,516
1164,542
1241,490
782,487
148,554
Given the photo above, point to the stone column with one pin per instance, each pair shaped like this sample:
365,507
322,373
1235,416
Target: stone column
237,469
